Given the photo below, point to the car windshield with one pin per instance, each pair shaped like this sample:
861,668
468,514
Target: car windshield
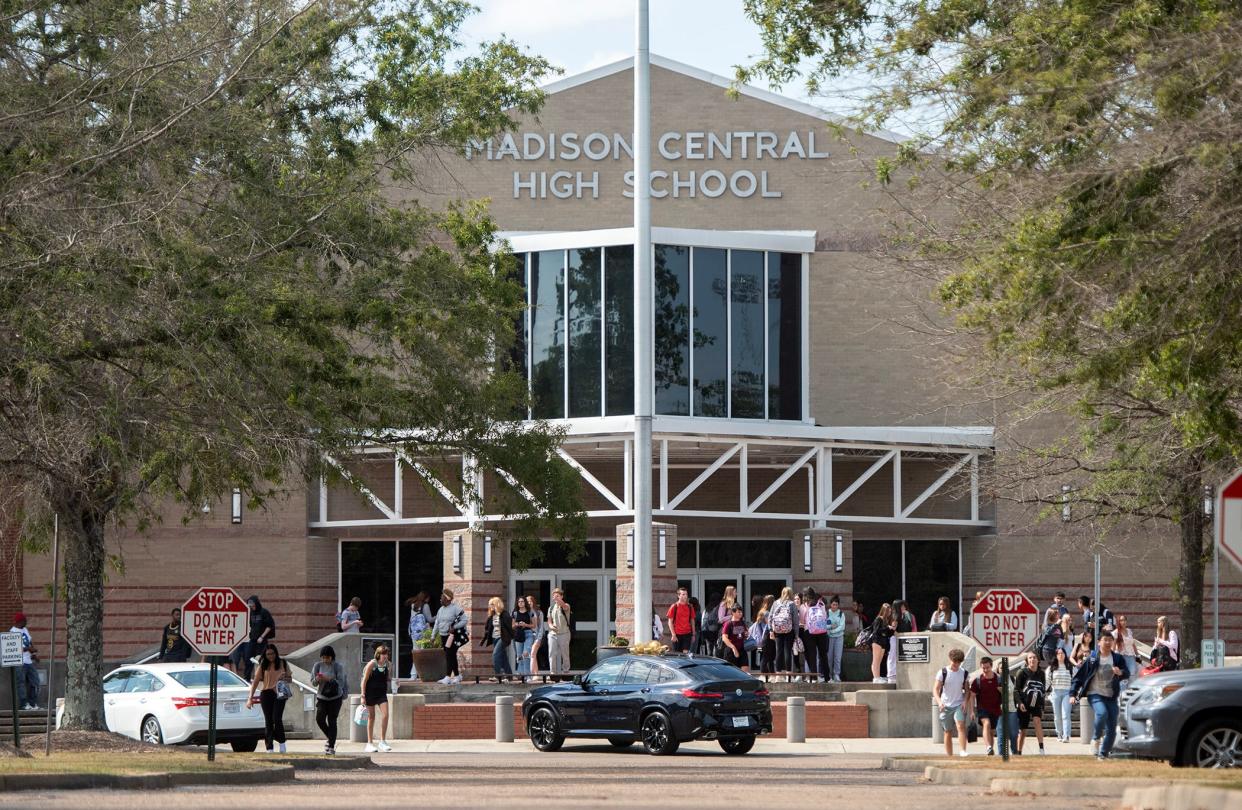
201,678
714,672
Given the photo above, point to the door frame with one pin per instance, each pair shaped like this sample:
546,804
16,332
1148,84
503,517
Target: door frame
604,624
742,581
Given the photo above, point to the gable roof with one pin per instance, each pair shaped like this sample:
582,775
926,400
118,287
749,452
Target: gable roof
719,81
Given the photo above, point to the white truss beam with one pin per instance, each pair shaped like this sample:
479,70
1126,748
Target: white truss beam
362,489
858,482
703,476
780,481
595,483
936,485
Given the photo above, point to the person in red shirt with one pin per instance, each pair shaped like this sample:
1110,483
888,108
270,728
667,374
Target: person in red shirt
682,621
987,690
733,634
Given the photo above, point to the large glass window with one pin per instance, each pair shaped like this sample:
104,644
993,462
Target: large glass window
672,330
619,329
547,334
743,308
711,332
747,331
585,332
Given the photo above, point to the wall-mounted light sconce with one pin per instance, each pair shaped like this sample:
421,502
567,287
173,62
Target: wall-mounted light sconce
663,561
487,553
1066,489
237,506
629,548
457,554
839,554
806,552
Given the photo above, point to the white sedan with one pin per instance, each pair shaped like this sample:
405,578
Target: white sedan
168,703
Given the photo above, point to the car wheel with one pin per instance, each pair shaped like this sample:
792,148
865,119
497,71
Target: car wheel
245,746
543,730
620,742
657,734
1216,743
151,731
737,745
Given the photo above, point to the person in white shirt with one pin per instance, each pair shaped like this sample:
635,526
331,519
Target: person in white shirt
953,698
27,676
1165,637
558,633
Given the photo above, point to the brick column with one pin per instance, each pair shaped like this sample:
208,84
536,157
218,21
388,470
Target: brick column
663,580
472,587
823,576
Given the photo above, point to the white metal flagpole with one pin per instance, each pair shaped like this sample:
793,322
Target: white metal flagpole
644,325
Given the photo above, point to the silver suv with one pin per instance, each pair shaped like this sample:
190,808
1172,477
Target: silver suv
1189,717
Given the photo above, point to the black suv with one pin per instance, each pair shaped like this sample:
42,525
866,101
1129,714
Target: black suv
1189,717
661,700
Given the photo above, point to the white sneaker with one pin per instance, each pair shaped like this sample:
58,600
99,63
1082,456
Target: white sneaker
1095,747
963,753
455,679
283,750
329,750
447,679
370,749
878,680
384,746
892,680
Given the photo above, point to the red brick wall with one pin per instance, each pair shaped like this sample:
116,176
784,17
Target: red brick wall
477,721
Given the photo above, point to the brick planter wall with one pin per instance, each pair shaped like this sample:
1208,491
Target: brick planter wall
477,721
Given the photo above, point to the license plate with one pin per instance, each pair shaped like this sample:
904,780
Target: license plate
741,722
232,707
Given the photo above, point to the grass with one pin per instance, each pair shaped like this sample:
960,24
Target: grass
1086,767
128,764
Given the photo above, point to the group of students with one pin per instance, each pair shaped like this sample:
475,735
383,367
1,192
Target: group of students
525,632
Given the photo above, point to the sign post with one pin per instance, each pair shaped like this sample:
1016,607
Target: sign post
1006,622
11,659
214,621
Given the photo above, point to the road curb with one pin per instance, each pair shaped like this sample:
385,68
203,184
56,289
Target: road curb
1180,797
1084,787
150,781
325,763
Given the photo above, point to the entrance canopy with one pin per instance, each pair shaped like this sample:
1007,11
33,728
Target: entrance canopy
703,468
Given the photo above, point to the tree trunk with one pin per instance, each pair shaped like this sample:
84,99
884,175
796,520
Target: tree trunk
84,573
1190,576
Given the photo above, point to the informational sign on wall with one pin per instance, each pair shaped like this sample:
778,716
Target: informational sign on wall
913,649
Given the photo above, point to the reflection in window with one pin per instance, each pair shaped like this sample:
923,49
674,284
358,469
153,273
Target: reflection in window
746,326
784,336
547,334
711,332
584,332
619,330
515,361
672,330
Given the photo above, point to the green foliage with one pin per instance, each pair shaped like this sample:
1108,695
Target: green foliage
427,640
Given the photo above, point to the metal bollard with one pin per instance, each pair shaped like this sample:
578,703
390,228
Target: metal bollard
937,731
1086,722
357,733
504,718
795,719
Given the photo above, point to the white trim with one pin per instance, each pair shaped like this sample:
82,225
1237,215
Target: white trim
785,476
703,476
595,483
858,482
939,482
756,93
779,241
805,294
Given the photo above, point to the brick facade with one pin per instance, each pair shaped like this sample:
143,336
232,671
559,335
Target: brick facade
663,579
473,586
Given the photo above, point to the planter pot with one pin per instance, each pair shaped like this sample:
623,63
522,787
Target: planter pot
430,665
855,666
606,652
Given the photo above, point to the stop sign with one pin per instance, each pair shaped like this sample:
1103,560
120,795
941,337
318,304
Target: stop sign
1005,621
215,620
1229,518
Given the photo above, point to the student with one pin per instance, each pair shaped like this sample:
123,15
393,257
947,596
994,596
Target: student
270,672
376,683
558,632
1165,637
1058,604
498,634
1029,688
331,687
420,620
733,634
836,637
784,630
523,636
862,619
905,623
538,645
1083,649
174,649
451,628
760,640
262,630
816,635
1060,680
681,621
1050,636
27,676
1127,646
350,619
709,631
724,610
986,690
952,693
1099,681
1067,636
881,634
944,619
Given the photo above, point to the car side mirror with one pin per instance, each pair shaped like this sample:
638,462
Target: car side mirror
578,680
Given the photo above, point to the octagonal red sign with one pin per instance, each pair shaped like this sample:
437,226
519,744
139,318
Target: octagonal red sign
215,620
1005,621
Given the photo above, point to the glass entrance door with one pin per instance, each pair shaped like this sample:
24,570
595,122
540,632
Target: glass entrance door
588,596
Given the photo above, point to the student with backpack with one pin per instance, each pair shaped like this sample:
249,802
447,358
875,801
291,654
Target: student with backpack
953,696
816,634
1029,687
733,634
1050,637
986,691
681,621
709,628
784,618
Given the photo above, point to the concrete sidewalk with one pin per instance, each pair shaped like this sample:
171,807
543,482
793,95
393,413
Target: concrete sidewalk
879,747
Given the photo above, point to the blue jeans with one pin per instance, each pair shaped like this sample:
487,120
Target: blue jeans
835,646
1105,709
500,658
521,654
28,686
1061,712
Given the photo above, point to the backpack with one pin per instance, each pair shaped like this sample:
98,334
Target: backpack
711,621
418,623
782,620
817,619
944,679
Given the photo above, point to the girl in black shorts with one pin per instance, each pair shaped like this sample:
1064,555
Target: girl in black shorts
375,684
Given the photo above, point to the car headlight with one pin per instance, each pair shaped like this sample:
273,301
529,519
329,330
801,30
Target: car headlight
1154,694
